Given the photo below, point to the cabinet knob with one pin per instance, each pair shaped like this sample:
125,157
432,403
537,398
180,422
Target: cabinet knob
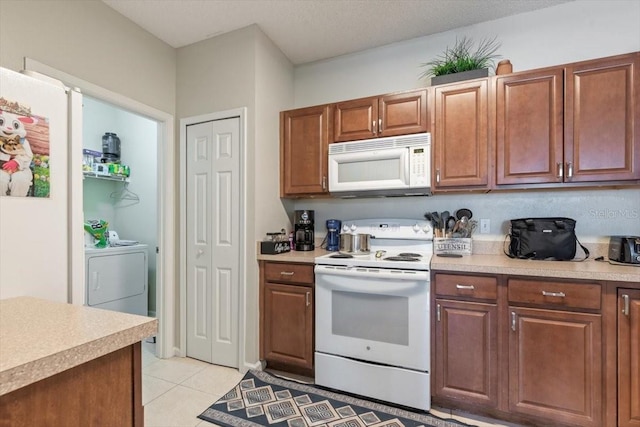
379,125
560,171
569,170
465,287
513,320
373,127
625,305
308,298
438,176
286,273
324,182
554,294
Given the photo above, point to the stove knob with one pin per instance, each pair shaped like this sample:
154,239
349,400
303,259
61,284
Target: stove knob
353,227
345,228
416,228
425,228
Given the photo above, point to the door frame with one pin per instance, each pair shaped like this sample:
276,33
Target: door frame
241,113
165,280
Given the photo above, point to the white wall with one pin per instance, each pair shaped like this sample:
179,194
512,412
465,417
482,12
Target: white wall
569,32
244,69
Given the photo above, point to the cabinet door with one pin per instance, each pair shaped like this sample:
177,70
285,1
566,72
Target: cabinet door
403,113
288,325
555,365
304,138
356,119
529,127
602,124
466,355
461,136
629,358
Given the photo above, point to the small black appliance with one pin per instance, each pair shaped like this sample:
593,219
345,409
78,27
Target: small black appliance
624,250
303,223
111,147
333,234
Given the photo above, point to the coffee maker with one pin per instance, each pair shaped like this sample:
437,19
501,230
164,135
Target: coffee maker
333,234
303,223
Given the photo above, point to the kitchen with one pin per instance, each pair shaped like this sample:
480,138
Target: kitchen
602,28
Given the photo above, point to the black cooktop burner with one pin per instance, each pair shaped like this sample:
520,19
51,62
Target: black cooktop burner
340,256
401,258
409,254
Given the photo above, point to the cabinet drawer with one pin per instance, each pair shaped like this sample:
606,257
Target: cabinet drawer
288,273
466,286
555,294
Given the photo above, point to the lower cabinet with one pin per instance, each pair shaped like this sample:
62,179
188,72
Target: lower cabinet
629,357
555,365
466,363
530,350
286,314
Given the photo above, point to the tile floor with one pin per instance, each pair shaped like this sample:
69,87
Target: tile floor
175,391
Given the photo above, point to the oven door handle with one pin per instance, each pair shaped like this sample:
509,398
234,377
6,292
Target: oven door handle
375,273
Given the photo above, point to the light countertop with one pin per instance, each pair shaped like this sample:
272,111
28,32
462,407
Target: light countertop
40,338
491,260
501,264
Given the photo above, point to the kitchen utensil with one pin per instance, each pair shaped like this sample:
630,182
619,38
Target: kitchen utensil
437,219
445,218
464,212
451,223
355,244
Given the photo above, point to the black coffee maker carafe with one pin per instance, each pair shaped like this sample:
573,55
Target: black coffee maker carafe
303,223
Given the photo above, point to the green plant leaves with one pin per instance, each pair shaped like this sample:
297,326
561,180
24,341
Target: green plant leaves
461,57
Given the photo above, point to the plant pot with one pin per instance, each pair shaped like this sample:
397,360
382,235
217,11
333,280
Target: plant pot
456,77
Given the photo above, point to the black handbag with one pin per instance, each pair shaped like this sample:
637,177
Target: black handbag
544,239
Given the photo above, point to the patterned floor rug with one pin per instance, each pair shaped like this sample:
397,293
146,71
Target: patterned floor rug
261,399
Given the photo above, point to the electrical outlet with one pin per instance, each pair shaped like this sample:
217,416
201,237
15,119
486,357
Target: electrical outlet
485,226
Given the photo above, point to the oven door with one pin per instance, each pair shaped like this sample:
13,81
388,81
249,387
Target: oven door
374,315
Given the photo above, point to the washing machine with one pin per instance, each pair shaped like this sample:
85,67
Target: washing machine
116,278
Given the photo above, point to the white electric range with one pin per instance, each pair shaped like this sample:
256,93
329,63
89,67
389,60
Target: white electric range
372,314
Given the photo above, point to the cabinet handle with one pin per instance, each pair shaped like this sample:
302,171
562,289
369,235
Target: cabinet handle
559,169
287,273
308,298
373,127
513,320
380,125
553,294
625,305
438,312
438,176
569,170
465,287
324,182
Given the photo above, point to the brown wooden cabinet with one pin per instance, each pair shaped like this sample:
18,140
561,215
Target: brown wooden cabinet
576,123
304,138
388,115
466,339
286,316
628,357
529,127
100,392
555,351
461,136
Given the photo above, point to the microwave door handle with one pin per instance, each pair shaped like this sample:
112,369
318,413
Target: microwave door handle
407,167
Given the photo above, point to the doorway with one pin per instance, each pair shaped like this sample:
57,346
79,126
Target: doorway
213,191
165,288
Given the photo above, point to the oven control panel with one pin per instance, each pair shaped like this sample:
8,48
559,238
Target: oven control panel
390,228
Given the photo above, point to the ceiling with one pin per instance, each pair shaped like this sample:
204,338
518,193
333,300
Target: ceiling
312,30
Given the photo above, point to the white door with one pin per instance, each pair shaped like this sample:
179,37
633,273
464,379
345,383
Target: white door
213,244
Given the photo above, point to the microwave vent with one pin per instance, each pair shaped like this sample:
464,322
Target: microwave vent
384,143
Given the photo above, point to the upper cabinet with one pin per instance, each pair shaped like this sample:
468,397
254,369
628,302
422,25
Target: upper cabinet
577,123
602,119
461,136
389,115
529,127
304,138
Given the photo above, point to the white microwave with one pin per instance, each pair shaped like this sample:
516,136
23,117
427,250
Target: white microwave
390,166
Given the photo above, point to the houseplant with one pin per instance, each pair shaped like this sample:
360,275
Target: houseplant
462,62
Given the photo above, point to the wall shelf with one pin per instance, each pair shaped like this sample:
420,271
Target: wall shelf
94,175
